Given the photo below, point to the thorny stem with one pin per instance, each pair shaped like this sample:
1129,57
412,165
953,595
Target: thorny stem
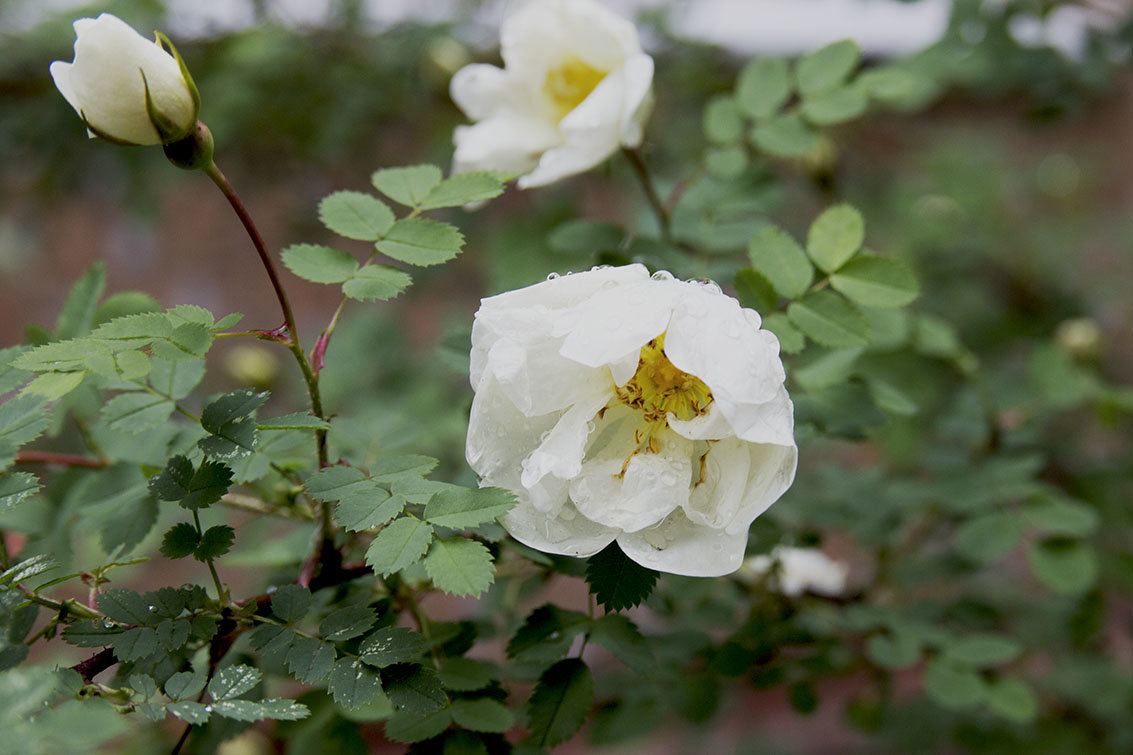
310,376
659,208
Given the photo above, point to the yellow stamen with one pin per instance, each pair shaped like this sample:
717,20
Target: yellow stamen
571,83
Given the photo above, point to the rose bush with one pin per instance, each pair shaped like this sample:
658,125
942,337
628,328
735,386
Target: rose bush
114,72
575,87
620,406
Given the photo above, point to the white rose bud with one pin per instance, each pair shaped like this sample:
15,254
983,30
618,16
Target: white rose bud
574,88
797,570
127,89
620,406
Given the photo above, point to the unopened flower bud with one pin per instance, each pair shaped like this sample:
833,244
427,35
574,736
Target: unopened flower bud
194,152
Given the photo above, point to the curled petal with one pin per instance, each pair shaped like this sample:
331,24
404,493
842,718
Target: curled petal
679,546
565,534
769,422
740,481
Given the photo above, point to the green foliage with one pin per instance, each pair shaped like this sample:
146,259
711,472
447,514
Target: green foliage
830,320
319,264
192,488
560,703
459,566
231,423
781,261
616,581
827,68
215,542
356,216
763,87
835,236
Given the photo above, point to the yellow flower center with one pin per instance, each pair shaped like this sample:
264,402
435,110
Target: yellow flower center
657,389
571,83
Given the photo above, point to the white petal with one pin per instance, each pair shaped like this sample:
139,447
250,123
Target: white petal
711,337
508,142
638,102
564,292
770,422
654,484
741,481
711,426
482,91
542,33
678,546
615,324
560,452
567,534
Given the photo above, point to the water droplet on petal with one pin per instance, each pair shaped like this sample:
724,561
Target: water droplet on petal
552,276
662,275
668,479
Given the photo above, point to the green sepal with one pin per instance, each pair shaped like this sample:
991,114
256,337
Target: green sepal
167,130
192,85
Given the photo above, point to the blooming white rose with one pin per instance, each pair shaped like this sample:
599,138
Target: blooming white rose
107,84
799,570
574,88
619,406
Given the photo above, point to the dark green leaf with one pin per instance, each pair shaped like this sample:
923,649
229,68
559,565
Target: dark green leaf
621,637
952,687
460,508
310,659
982,650
272,640
465,674
390,645
351,621
135,644
192,488
125,606
1013,699
408,185
295,421
90,633
165,602
421,242
1068,567
835,236
560,703
460,566
185,684
362,511
239,710
189,711
290,603
352,683
408,727
338,482
15,487
413,688
828,319
233,681
778,258
546,624
231,421
393,468
616,581
400,544
755,291
355,215
215,542
763,86
180,540
482,714
988,537
376,283
283,710
319,264
172,635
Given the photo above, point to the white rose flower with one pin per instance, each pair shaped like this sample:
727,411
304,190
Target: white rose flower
799,570
114,71
574,88
619,406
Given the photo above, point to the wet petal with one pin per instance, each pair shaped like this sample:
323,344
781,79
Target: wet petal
678,546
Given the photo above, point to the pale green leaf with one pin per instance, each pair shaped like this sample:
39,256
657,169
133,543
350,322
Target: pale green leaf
460,566
15,487
376,283
422,242
460,508
136,412
835,236
409,185
1013,699
722,121
791,341
785,136
779,258
874,281
464,188
1067,567
319,264
355,215
400,544
835,106
763,86
828,319
827,67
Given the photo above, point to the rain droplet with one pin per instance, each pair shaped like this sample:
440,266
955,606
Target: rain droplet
107,624
552,276
668,479
600,267
662,275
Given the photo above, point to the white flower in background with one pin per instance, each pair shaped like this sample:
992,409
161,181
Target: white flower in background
107,84
619,406
575,87
797,570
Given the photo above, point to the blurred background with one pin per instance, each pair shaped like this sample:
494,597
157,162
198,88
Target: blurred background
1004,176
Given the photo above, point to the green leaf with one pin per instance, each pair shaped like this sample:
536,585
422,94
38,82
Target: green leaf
547,623
290,603
1013,699
239,710
77,315
460,566
227,321
180,540
828,319
465,674
401,544
272,640
763,86
1068,567
621,637
124,606
295,421
22,419
52,386
409,185
482,714
283,710
586,237
951,687
135,644
376,283
778,258
1058,516
785,136
722,121
390,645
233,681
894,651
755,291
190,712
230,420
310,659
172,635
460,508
215,542
408,727
338,482
413,688
835,106
835,236
831,368
351,621
352,683
560,703
165,602
826,68
362,511
176,380
122,304
791,341
462,189
616,581
874,281
185,684
982,650
15,487
421,242
988,537
394,468
726,162
319,264
355,215
192,488
90,633
28,568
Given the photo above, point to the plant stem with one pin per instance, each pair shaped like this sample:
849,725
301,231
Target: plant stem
66,460
659,209
220,595
70,606
5,559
